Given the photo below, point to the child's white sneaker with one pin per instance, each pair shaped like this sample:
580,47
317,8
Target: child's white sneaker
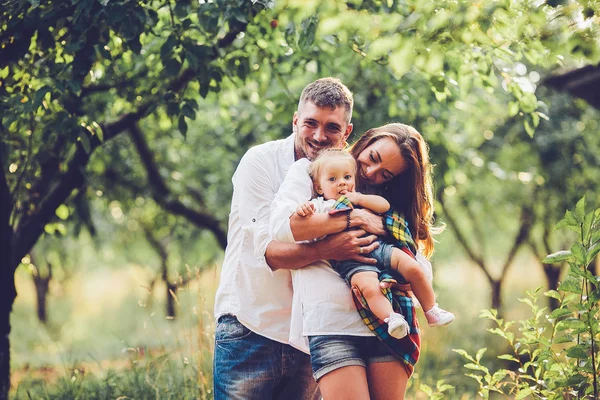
438,317
397,325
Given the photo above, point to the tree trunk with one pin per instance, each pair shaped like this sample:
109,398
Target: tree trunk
171,312
41,290
41,281
8,293
497,295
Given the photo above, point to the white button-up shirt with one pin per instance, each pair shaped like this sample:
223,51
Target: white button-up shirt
259,297
322,302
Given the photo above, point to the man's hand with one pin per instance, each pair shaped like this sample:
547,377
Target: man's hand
305,210
350,245
365,219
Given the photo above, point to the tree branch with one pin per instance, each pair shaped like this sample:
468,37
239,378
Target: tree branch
526,219
31,229
462,239
163,196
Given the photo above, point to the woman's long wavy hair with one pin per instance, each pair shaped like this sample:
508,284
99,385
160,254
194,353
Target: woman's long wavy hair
410,192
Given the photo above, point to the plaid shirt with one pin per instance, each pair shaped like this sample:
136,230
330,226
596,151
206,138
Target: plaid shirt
408,348
395,224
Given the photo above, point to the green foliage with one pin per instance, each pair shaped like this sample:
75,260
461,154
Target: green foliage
161,377
555,354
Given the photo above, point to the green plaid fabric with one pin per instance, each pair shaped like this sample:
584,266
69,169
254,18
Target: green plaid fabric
406,349
394,222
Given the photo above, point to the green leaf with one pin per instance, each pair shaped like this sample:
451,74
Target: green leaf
559,256
570,285
513,108
480,353
39,96
475,367
464,354
85,142
182,126
426,389
523,393
569,221
308,29
571,323
188,111
204,90
592,253
508,357
62,212
595,235
563,339
553,293
579,351
579,253
588,220
560,312
172,66
575,380
528,128
580,210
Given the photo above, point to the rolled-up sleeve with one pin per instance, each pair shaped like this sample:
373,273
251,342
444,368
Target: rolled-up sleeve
296,189
253,184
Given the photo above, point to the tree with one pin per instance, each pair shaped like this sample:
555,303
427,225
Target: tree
80,76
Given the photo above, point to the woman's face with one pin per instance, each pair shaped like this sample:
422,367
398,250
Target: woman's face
380,162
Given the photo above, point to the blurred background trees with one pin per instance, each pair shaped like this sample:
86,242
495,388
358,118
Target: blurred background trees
124,121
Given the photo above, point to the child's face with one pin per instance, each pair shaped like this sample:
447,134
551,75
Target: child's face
336,178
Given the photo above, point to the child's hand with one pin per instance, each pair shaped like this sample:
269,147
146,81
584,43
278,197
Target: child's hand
305,210
353,197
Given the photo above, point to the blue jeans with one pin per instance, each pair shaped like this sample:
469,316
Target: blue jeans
249,366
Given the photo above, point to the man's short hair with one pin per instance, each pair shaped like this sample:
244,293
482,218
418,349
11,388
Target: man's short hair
328,93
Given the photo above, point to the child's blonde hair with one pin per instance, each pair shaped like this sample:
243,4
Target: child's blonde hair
315,167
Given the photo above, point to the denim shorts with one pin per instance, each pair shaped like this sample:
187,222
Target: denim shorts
383,255
330,352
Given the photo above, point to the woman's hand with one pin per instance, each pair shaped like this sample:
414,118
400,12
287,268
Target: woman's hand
350,245
365,219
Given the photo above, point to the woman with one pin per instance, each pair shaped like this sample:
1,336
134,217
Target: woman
348,361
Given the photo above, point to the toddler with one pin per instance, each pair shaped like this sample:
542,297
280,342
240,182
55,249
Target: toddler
334,177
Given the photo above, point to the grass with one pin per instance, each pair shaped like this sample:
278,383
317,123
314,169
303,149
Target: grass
108,337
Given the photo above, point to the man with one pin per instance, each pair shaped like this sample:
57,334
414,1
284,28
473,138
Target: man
252,357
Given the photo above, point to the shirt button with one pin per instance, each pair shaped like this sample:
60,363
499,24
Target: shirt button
253,220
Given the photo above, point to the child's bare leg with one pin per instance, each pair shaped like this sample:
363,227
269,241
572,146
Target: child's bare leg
406,266
368,283
421,287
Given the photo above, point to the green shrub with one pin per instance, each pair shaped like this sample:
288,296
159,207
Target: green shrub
554,354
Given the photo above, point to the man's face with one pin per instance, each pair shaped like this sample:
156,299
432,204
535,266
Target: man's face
319,128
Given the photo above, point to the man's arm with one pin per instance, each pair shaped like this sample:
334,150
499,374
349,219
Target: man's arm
340,246
321,224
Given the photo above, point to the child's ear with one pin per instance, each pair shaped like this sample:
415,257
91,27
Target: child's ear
318,189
